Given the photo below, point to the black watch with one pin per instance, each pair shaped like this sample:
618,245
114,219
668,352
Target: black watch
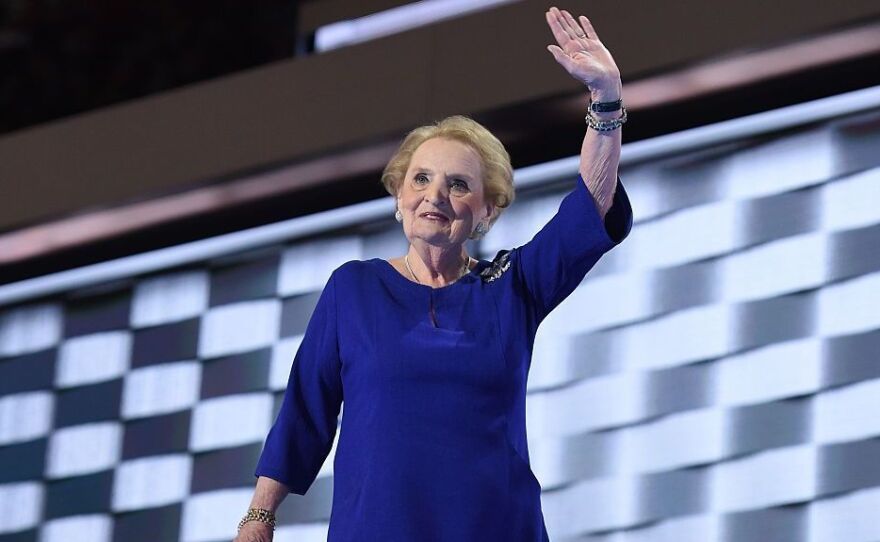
605,107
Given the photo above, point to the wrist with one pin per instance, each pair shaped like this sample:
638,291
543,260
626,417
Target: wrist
258,528
261,516
610,115
605,96
606,103
606,92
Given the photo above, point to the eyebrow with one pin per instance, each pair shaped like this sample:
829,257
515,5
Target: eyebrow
462,175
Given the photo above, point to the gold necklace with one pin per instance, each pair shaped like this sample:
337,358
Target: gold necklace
464,268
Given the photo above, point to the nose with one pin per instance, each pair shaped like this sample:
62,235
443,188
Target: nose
437,193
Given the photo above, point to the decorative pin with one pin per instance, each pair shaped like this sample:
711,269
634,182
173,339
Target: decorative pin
499,265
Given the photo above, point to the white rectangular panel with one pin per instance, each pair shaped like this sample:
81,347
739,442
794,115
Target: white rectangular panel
769,373
851,202
25,416
282,361
94,528
169,298
305,267
230,421
93,358
239,327
846,518
84,449
21,506
151,481
205,515
770,478
848,413
30,329
161,389
672,442
850,306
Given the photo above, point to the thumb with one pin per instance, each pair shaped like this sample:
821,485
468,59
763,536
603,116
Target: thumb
560,56
556,50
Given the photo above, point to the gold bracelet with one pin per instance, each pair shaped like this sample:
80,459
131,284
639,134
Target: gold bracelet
258,514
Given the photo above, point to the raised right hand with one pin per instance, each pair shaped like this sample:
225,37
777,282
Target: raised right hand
583,55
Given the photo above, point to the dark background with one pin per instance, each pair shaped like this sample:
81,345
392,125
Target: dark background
62,58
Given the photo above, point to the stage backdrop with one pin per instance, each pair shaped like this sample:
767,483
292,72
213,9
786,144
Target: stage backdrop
714,378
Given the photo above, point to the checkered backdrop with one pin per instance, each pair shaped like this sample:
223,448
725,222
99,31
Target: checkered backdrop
715,377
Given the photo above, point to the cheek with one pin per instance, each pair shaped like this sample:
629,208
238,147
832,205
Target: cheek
408,203
468,211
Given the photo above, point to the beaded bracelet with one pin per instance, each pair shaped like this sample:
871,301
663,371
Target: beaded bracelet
605,125
258,514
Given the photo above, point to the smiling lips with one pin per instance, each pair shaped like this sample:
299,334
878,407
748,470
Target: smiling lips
434,216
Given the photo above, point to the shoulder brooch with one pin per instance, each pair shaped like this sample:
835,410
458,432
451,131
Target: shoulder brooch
499,265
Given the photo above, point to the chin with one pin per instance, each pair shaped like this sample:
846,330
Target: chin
435,238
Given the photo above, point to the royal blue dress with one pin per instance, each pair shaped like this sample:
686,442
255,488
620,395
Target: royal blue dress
432,443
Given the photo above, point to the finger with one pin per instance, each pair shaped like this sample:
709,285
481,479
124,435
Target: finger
561,57
562,37
573,32
565,24
588,26
573,28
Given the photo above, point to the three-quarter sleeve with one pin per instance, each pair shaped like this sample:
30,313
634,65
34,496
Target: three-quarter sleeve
558,257
303,432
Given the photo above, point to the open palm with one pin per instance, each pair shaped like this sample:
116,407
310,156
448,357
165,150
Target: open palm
581,53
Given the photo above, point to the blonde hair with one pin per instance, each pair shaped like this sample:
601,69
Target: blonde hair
497,170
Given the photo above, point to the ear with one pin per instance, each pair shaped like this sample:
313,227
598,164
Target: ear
490,208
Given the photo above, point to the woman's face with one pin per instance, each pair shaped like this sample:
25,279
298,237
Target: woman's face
445,177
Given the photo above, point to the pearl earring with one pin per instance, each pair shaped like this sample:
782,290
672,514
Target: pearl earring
398,216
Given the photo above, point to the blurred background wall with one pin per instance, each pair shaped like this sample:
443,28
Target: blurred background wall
179,181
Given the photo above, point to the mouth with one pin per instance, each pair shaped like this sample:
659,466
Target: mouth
434,216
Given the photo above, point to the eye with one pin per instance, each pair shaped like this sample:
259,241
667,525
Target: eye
419,177
460,185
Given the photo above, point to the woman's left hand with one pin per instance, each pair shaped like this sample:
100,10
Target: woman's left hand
583,55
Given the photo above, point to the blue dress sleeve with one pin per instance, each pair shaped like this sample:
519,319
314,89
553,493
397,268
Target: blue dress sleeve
303,432
558,257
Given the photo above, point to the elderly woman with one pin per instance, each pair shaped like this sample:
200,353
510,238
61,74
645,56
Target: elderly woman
431,350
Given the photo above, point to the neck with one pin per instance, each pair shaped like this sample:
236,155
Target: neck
438,266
